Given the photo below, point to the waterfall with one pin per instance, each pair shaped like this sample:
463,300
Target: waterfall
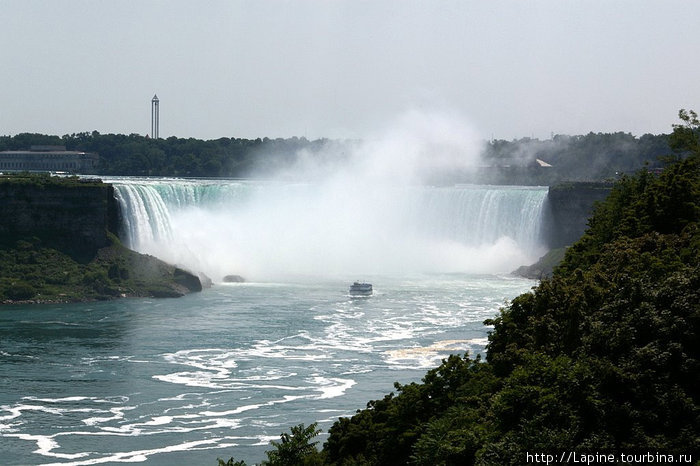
266,229
480,215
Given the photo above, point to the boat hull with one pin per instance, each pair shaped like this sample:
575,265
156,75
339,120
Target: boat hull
361,289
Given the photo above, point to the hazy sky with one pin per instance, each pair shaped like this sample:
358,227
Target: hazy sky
337,68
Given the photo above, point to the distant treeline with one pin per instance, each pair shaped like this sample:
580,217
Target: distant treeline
134,154
595,156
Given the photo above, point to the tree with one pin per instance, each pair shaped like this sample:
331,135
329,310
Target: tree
296,449
686,135
230,462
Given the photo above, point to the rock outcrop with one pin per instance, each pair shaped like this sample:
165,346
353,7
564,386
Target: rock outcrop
58,243
67,214
544,266
234,279
569,205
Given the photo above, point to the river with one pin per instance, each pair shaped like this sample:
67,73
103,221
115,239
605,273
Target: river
222,372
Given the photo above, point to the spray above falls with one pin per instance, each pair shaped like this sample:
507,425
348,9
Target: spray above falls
360,212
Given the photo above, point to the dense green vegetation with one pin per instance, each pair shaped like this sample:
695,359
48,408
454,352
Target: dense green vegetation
138,155
602,357
590,157
583,158
31,272
43,180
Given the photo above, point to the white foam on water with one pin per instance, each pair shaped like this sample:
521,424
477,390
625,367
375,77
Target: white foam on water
218,364
284,399
117,414
231,412
58,400
357,370
265,440
138,456
181,397
426,356
331,387
17,410
478,341
46,444
159,421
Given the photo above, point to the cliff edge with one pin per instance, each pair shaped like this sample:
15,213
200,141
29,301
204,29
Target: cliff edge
57,244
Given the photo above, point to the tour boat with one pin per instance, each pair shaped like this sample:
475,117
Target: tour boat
361,289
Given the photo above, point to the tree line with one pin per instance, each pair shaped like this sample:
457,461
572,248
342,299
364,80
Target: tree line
136,155
591,157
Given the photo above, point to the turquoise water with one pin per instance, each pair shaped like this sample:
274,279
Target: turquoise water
222,372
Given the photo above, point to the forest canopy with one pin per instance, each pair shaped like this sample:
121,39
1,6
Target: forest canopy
592,157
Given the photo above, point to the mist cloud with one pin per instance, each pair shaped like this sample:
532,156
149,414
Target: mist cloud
356,209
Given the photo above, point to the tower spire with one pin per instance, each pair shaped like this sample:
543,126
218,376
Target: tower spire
154,117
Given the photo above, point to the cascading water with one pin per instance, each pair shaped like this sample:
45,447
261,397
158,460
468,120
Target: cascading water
264,230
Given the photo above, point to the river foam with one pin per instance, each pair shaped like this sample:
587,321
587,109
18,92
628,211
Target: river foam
223,372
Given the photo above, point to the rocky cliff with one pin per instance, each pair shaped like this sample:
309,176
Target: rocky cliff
569,205
57,243
71,215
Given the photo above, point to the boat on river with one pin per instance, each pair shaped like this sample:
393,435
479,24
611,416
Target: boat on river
361,289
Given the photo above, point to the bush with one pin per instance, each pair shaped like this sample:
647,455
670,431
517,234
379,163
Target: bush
20,291
296,449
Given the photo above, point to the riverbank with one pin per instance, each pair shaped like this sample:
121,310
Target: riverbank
33,274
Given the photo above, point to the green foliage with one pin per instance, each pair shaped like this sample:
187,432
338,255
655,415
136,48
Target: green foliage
20,290
134,154
43,180
31,272
624,308
295,449
590,157
385,432
230,462
640,205
686,135
595,156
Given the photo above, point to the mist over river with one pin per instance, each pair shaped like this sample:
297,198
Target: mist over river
224,371
277,230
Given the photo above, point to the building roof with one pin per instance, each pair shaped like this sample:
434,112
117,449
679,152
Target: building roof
44,152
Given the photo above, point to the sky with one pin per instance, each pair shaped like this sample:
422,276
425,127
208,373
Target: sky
344,68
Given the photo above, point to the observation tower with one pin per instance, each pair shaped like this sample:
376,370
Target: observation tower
154,117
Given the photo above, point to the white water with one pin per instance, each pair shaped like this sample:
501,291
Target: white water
268,230
224,371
